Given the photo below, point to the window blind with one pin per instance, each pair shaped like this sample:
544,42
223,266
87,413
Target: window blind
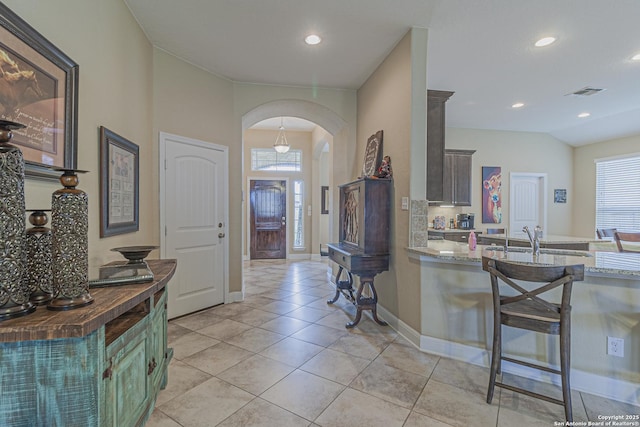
618,193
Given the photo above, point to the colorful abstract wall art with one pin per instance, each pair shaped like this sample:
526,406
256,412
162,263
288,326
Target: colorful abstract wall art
491,194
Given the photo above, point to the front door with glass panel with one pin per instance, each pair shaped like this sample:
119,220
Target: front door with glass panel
268,219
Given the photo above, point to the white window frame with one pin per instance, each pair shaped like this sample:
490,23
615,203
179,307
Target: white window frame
279,165
298,214
618,192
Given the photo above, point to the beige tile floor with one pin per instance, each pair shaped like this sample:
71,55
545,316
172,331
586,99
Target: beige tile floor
283,357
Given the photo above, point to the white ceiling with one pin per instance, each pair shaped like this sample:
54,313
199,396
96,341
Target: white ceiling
480,49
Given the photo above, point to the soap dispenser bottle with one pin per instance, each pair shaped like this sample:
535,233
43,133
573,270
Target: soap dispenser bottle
472,241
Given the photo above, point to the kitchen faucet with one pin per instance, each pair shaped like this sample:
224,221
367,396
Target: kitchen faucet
534,238
506,240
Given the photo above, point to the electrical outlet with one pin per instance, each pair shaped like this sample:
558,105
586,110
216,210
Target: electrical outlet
615,346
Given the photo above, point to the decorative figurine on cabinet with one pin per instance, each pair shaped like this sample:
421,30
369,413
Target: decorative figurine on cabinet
385,171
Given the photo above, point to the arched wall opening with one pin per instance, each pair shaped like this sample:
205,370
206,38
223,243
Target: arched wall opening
334,134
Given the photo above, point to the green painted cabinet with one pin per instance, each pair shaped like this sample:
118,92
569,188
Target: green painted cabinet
126,384
108,375
51,382
135,365
159,351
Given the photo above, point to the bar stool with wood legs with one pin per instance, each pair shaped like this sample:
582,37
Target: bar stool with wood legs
620,237
526,309
605,232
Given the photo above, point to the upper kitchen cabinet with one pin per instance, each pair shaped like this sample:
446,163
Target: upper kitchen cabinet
435,143
457,183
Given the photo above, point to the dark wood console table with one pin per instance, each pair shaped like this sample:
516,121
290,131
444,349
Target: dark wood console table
364,232
354,261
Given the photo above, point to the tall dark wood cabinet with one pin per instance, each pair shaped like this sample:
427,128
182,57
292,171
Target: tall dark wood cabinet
435,143
457,184
363,250
365,207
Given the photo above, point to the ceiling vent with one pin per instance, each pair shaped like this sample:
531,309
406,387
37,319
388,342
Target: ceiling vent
586,91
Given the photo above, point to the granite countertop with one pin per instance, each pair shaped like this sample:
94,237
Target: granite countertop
454,230
550,238
596,263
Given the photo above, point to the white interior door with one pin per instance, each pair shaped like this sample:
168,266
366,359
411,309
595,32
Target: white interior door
527,202
194,214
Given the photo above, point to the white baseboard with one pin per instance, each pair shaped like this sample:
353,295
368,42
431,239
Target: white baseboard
399,326
234,297
610,388
299,256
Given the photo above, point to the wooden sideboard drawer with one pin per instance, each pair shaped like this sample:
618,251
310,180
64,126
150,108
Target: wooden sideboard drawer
356,262
340,258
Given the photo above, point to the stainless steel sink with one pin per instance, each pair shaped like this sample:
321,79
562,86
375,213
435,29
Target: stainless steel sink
547,251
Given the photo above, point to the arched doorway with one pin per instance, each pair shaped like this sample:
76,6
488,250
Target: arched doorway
331,135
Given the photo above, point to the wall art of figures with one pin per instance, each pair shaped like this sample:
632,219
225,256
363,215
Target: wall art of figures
491,194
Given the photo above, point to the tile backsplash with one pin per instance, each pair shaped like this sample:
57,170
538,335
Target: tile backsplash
421,220
419,224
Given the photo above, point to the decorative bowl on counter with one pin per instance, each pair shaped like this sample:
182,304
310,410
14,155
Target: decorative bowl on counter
119,273
135,254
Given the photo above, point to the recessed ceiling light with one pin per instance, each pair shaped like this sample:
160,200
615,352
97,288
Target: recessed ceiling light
583,115
546,41
517,105
312,39
636,57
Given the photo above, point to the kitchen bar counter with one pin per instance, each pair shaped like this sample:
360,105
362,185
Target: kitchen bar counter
550,238
456,313
548,241
596,263
453,230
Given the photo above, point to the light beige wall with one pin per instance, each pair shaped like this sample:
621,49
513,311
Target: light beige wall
191,102
115,91
260,138
341,103
518,152
384,103
584,208
322,171
137,91
324,225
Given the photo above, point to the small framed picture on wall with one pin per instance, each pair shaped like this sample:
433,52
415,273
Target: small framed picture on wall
560,195
119,184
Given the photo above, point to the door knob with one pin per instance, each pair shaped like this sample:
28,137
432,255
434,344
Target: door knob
221,235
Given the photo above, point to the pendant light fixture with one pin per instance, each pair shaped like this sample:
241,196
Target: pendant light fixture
281,145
